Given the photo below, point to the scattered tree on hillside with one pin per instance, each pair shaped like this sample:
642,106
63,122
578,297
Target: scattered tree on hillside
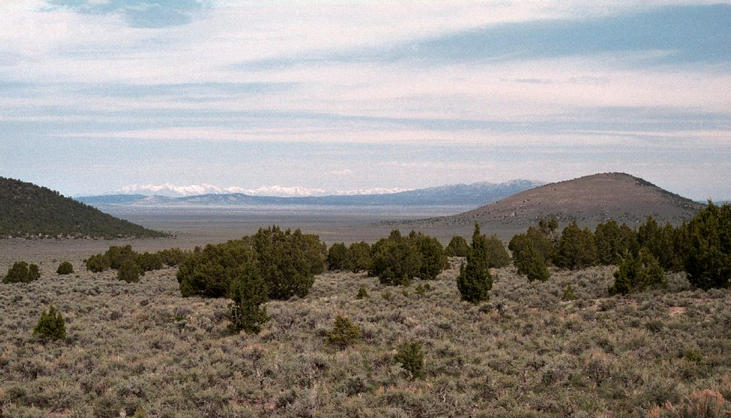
708,256
457,247
636,274
396,260
50,326
433,259
248,295
497,255
337,257
527,259
474,281
576,248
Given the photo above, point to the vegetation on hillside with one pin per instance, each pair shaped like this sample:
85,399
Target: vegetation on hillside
27,210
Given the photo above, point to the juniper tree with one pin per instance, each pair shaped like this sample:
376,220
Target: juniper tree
474,281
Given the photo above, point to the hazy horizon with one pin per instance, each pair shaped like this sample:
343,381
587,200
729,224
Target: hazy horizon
299,99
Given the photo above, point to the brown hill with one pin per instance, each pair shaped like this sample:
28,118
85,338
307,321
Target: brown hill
588,200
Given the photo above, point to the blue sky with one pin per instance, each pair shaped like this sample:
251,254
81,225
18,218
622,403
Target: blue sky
296,98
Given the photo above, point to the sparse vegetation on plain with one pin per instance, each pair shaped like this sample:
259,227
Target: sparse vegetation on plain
65,268
22,272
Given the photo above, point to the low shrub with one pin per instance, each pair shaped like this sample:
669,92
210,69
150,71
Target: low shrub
97,263
474,281
362,293
149,261
50,326
129,271
65,268
636,274
344,333
457,247
173,256
433,259
411,358
22,272
248,294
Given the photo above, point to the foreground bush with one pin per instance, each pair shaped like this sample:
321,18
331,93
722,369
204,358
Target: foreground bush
21,272
474,281
343,333
173,256
411,357
431,252
457,247
149,261
65,268
97,263
359,256
210,272
337,257
396,260
288,261
51,326
708,253
497,255
636,274
576,248
248,294
129,271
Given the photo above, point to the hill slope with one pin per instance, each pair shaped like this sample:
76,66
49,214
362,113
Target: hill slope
28,210
457,195
588,200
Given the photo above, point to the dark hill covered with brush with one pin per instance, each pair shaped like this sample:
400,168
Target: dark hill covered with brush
28,210
588,200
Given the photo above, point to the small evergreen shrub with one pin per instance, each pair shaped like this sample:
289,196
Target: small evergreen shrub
362,293
337,257
359,256
708,247
117,255
474,281
568,293
457,247
421,289
497,255
411,357
396,260
210,272
529,261
149,261
129,271
65,268
576,248
344,333
636,274
248,294
97,263
433,259
50,326
22,272
288,261
173,256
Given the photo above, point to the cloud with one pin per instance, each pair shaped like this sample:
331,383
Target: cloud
140,13
198,189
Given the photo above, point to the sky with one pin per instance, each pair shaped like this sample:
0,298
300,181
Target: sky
301,98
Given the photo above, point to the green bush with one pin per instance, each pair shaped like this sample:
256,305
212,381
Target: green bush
411,357
433,259
117,255
359,256
21,272
612,241
568,293
636,274
474,281
576,248
210,272
530,263
538,239
344,333
149,261
248,294
129,271
362,293
337,257
65,268
50,326
396,260
173,256
708,247
497,255
457,247
97,263
287,261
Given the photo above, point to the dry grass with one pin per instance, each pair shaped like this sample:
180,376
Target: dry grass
140,346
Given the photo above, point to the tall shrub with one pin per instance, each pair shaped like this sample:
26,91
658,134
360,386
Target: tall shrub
708,248
474,281
636,274
248,295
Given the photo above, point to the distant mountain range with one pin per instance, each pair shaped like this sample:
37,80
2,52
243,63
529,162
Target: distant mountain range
588,200
27,210
474,194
